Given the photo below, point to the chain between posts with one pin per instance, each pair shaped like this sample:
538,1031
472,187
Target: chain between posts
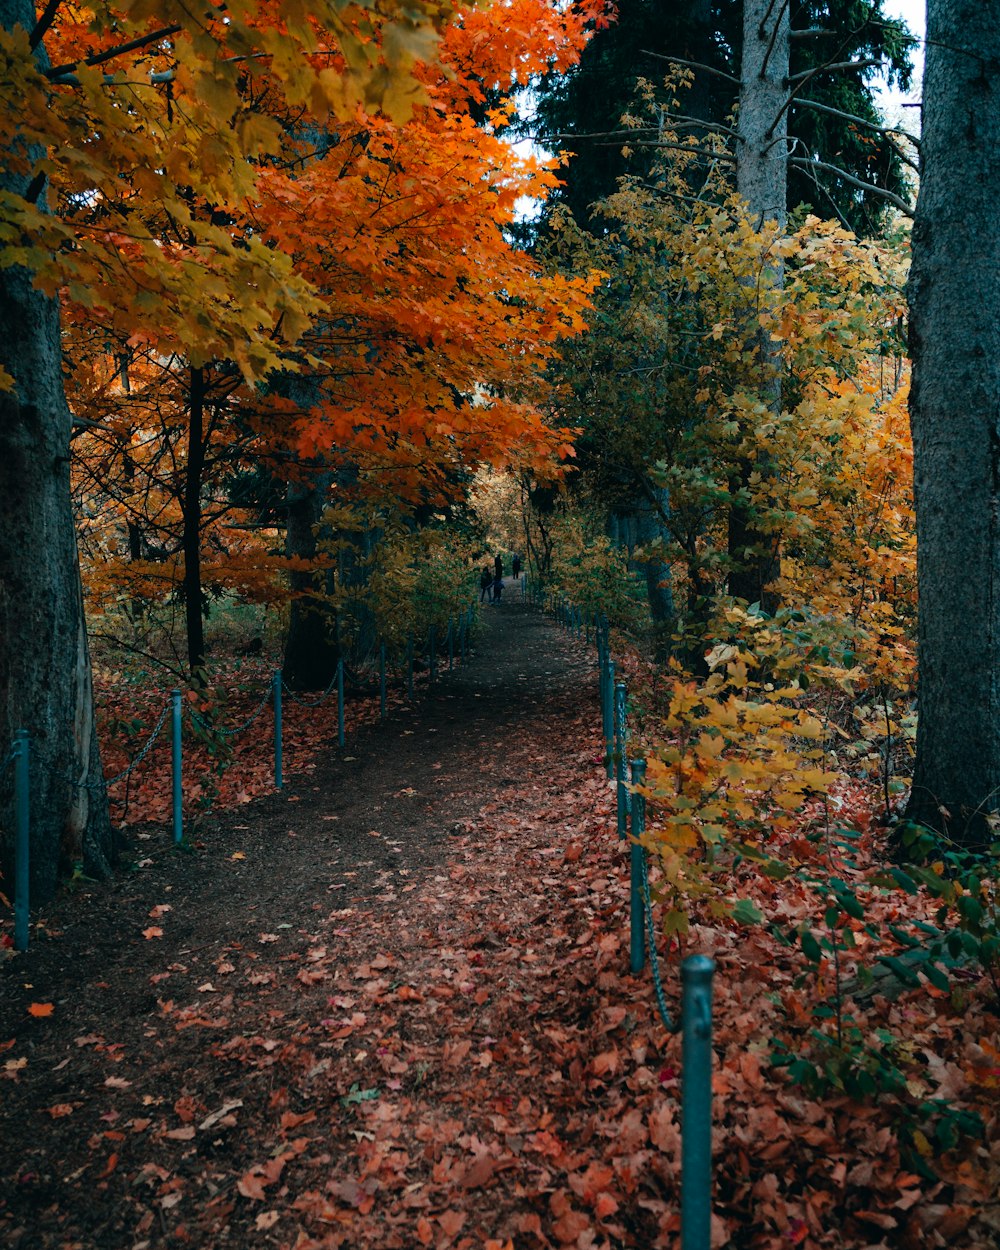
309,702
110,781
201,723
654,958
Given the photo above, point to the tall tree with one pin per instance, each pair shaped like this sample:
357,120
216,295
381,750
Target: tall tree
761,180
834,116
954,295
68,122
45,682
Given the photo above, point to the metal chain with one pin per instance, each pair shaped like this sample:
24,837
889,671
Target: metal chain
201,723
110,781
310,702
654,959
622,734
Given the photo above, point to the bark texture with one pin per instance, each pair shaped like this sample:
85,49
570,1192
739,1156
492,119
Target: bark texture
954,295
762,180
45,678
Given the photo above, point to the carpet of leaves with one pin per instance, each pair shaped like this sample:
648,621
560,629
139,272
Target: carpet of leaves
456,1057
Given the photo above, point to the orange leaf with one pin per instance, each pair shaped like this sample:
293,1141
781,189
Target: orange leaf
451,1222
60,1109
152,932
425,1231
41,1009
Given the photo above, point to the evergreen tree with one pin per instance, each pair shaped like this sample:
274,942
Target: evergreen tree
833,118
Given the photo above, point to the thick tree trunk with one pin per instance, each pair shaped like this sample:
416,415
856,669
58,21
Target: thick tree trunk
45,679
762,180
954,295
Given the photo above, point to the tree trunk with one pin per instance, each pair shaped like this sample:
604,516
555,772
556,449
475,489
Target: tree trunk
954,296
45,678
651,529
191,538
762,180
311,647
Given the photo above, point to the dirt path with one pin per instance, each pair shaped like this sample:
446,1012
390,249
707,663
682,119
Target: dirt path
346,1033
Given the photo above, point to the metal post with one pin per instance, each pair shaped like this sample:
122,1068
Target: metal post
22,827
696,1103
451,644
276,687
607,711
175,761
461,633
340,702
381,681
637,935
620,777
433,653
409,665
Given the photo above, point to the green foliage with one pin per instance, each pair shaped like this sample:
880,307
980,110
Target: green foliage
966,925
588,571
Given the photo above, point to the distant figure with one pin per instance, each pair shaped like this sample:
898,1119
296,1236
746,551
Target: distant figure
485,585
515,566
497,586
498,565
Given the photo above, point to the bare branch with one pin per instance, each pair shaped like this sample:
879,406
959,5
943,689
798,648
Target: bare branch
775,27
676,60
58,71
880,192
860,121
831,68
814,32
44,22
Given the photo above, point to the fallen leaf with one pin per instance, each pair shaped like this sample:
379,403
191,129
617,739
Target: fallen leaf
41,1009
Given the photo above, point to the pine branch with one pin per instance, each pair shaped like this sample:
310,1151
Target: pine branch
676,60
881,192
832,67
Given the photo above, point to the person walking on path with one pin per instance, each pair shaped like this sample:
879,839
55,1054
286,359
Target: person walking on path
497,587
515,567
485,585
498,565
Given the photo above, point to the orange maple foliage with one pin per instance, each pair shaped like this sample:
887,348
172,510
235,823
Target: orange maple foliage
255,220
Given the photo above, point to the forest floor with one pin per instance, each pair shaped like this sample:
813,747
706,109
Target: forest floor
389,1007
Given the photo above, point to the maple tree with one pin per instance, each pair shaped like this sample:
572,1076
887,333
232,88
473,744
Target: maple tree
278,190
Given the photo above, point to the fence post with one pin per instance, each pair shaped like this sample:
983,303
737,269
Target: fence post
340,702
175,761
432,649
620,777
451,643
637,935
22,827
461,633
696,1103
276,696
409,666
381,681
